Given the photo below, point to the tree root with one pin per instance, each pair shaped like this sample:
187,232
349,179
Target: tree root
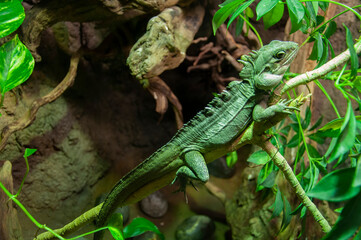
30,115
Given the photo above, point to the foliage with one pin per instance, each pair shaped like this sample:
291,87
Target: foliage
11,16
340,166
16,61
16,64
137,227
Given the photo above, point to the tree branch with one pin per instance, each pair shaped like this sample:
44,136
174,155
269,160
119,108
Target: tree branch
77,223
319,72
283,165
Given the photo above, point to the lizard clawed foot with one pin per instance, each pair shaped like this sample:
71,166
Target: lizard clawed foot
284,108
182,186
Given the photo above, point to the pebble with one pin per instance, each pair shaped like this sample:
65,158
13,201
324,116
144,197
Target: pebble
155,205
198,227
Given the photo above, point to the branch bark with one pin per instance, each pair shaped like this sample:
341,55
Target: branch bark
77,223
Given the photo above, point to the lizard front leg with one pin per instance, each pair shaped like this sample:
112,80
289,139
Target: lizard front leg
261,113
195,168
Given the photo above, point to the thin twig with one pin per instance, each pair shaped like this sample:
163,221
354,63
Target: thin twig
283,165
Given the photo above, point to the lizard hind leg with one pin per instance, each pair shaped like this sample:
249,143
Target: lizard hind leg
195,168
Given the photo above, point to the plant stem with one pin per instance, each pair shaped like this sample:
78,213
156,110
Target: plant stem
25,175
282,164
21,206
253,29
2,99
337,3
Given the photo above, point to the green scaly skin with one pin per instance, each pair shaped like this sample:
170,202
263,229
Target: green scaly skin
211,133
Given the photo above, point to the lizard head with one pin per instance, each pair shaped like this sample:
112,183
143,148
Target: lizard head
268,65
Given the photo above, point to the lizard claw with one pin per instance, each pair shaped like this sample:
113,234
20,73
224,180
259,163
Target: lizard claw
195,188
284,108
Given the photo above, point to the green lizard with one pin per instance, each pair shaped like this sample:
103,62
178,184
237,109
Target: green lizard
211,133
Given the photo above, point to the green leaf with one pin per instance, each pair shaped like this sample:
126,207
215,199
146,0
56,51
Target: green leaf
226,3
324,56
321,165
348,222
303,212
358,236
320,45
116,233
231,159
338,210
270,180
347,136
307,119
317,49
227,8
239,26
323,5
313,151
296,8
297,210
16,64
11,16
294,22
354,58
311,11
331,29
335,186
238,11
286,218
332,51
273,16
335,124
29,152
285,130
266,170
278,204
115,226
314,173
317,124
295,141
139,226
357,83
317,138
265,6
357,180
249,12
260,157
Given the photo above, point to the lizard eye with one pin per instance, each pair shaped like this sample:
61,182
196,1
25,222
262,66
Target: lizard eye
280,55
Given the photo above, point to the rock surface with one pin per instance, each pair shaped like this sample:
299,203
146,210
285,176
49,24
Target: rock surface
219,168
198,227
155,205
164,44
